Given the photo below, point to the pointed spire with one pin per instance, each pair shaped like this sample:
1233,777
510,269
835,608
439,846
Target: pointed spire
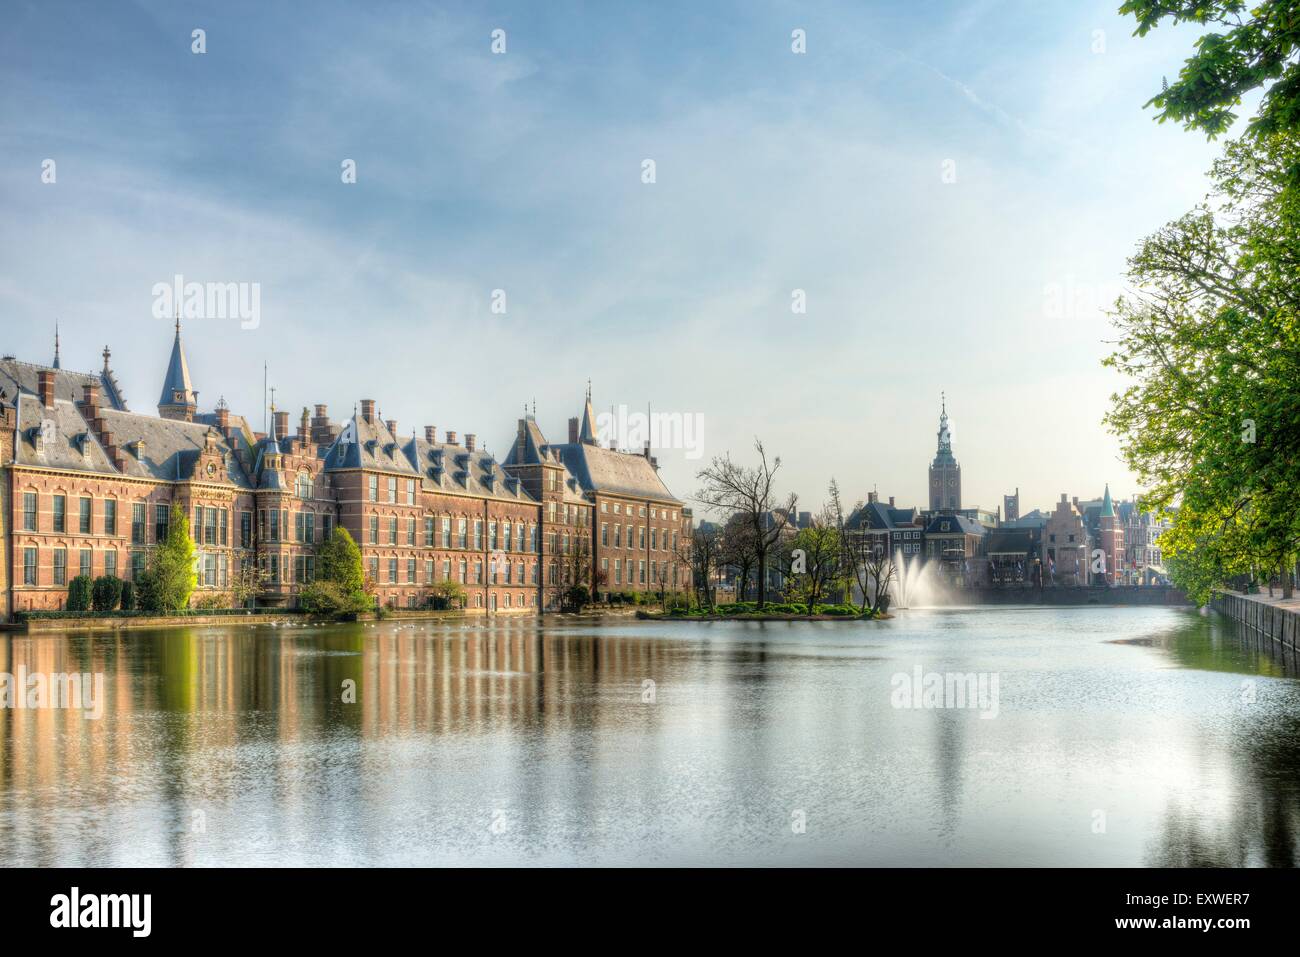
178,399
107,355
1107,506
587,430
56,345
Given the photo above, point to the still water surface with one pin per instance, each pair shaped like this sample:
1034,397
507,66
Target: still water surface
1123,736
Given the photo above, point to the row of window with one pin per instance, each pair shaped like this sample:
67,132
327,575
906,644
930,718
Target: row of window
85,565
439,532
59,519
499,573
636,572
668,513
655,537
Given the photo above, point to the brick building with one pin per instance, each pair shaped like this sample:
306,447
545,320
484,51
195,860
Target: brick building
89,485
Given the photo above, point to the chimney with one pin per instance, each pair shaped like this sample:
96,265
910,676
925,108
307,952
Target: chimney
871,497
281,425
431,434
470,439
647,450
304,426
223,418
1063,498
321,432
451,437
367,410
573,431
392,426
45,387
90,399
891,501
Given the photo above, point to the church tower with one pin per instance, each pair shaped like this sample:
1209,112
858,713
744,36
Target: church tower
178,399
945,473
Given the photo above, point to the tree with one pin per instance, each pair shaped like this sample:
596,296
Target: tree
171,575
79,593
106,593
246,582
1258,48
738,553
750,494
1211,340
812,562
701,553
448,594
338,560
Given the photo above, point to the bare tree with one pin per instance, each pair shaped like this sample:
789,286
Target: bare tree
750,492
701,554
867,564
738,553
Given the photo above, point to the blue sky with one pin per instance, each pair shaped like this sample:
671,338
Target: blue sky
522,172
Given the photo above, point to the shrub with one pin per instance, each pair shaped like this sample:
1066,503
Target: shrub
106,592
328,598
128,596
577,597
448,594
210,600
147,594
79,592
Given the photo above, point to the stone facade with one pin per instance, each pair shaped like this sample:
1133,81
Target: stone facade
89,486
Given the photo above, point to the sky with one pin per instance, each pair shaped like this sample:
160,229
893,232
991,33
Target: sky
952,189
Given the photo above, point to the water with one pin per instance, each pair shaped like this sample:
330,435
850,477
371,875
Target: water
1124,736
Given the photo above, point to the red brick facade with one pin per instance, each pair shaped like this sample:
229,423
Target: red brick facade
89,486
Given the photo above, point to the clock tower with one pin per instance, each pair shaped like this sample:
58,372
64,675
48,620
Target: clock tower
945,473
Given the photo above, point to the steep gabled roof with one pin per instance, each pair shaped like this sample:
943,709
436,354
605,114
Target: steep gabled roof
368,445
21,377
177,379
65,443
613,473
171,447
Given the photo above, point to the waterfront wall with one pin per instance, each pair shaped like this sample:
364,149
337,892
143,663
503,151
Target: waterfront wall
1063,595
1277,620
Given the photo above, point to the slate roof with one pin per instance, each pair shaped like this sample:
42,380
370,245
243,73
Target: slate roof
171,447
177,378
67,443
614,473
21,377
453,468
956,524
881,516
1034,519
368,445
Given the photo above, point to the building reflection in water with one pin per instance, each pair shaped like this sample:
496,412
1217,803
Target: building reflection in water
516,742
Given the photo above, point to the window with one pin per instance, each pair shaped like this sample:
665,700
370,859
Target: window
446,569
303,486
392,489
618,536
392,570
492,536
209,526
428,531
478,572
326,523
464,570
461,540
410,531
86,562
392,531
245,529
275,525
446,531
137,563
161,516
110,562
309,532
299,526
83,518
374,488
29,566
60,513
374,569
654,539
428,571
110,517
60,566
478,534
410,491
410,571
374,529
225,526
29,511
604,533
137,521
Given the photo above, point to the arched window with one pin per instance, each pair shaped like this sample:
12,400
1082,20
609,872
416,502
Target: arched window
303,486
